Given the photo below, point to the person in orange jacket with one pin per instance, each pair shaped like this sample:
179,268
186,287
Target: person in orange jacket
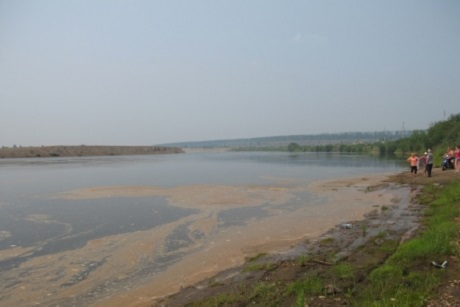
413,161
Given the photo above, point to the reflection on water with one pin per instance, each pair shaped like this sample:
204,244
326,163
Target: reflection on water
45,174
103,243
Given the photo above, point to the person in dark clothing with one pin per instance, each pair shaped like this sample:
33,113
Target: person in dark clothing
429,162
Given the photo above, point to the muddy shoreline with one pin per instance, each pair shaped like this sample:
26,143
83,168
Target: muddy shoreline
375,204
362,244
399,221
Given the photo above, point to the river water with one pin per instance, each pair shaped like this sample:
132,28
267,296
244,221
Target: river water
54,208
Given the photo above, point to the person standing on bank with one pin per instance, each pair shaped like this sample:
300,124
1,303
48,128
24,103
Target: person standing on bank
429,162
413,160
457,159
423,162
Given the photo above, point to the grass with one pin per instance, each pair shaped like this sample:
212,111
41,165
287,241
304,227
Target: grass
304,288
268,292
407,277
343,270
219,300
303,260
364,229
256,257
259,267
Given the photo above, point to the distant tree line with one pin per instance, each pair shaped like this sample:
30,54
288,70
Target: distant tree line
279,142
439,136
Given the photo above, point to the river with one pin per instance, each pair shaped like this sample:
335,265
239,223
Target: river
75,231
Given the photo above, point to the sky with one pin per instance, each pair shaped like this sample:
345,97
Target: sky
146,72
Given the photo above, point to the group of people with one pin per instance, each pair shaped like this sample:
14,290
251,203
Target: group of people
426,162
455,156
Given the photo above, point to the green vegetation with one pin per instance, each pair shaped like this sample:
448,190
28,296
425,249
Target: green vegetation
343,270
439,136
256,257
406,278
305,288
254,264
303,260
259,267
364,229
280,142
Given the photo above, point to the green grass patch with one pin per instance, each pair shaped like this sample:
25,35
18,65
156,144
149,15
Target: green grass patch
303,260
259,267
256,257
382,234
407,277
388,246
364,229
343,270
225,299
305,288
266,291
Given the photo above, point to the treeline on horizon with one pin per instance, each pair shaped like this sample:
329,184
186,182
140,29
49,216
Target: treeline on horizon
439,136
278,143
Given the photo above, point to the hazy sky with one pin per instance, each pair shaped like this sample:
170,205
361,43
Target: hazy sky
139,72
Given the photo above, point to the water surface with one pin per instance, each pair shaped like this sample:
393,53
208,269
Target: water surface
89,227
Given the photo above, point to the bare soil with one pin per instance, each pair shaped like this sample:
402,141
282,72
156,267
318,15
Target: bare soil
363,246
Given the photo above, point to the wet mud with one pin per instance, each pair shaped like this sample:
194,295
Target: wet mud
222,227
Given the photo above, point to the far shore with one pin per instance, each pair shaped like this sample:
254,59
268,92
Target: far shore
83,151
206,149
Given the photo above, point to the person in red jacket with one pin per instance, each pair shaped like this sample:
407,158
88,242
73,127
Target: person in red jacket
457,159
423,162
